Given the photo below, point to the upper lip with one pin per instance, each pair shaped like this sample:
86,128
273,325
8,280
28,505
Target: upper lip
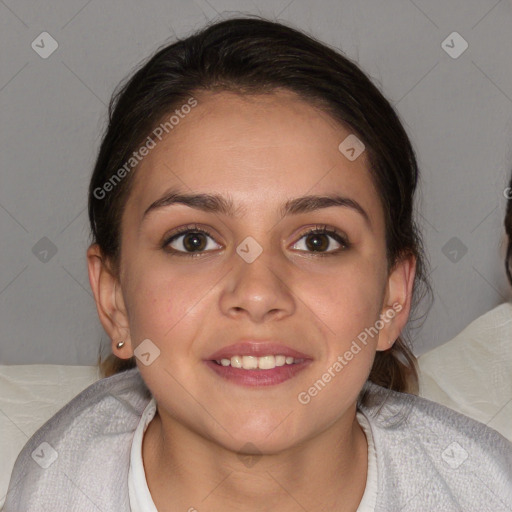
257,349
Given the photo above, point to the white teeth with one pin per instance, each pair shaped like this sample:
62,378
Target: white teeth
280,360
262,363
236,361
249,363
266,362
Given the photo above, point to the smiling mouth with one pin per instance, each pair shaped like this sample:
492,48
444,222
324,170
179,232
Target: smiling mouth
250,376
268,362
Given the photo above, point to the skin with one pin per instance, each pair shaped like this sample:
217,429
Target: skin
259,151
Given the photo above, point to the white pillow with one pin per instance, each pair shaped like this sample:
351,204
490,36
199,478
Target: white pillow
472,373
29,396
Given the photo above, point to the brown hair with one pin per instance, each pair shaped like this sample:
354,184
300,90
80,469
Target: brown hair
250,56
508,230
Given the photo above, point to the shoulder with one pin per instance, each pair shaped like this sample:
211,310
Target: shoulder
431,456
84,445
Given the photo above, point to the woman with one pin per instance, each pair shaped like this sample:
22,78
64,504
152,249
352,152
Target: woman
254,261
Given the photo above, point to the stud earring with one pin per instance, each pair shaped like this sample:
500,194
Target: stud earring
120,344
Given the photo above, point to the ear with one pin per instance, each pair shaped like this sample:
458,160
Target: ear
397,301
109,301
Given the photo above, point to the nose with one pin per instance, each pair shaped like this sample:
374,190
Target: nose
259,290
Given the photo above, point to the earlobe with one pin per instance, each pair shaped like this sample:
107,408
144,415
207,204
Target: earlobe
397,302
109,301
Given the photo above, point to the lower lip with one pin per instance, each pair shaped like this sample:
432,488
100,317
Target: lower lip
254,378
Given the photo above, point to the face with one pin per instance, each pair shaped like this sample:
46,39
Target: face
194,293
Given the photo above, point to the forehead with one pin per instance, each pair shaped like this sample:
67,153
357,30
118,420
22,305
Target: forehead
256,148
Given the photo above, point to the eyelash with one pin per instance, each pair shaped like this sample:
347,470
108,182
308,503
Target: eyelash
341,239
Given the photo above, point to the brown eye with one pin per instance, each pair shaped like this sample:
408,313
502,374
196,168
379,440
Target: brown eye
194,242
188,241
320,240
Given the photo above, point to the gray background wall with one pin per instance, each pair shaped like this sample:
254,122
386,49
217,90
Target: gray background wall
458,112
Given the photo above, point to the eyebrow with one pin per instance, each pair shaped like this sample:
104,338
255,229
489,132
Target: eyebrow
217,203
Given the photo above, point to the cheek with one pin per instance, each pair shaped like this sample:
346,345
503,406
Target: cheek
159,298
348,304
348,299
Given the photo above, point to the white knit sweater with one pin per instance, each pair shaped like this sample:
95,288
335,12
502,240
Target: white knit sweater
429,458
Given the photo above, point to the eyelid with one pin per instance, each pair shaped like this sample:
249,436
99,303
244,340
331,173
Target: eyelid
339,236
176,233
324,228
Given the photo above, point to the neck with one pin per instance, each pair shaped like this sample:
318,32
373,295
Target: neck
186,471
